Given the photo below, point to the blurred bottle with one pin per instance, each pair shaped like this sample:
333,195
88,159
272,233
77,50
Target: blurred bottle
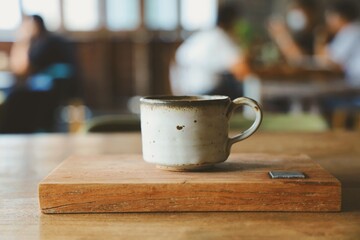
75,115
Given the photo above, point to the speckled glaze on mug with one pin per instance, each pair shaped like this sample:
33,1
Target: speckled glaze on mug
190,132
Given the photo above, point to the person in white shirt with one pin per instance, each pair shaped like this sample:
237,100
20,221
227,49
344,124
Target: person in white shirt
203,59
344,50
342,53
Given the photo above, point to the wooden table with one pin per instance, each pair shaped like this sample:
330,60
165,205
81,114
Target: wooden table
25,160
299,85
285,72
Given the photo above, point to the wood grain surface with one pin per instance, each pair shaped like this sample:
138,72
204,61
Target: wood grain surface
125,183
26,159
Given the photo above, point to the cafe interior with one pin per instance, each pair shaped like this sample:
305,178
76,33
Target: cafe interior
76,126
91,80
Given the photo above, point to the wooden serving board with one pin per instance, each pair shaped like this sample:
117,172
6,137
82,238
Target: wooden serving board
125,183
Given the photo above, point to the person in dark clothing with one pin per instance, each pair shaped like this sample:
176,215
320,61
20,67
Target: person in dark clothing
303,20
47,49
45,67
38,51
296,36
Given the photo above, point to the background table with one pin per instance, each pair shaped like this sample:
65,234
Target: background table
25,160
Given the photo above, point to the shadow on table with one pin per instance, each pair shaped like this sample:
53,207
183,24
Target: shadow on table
350,199
237,166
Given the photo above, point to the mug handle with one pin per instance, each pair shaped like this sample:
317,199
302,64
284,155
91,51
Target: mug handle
238,102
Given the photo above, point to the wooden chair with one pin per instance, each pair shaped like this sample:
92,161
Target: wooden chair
342,115
113,123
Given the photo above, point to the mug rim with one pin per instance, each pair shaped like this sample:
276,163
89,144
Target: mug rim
185,99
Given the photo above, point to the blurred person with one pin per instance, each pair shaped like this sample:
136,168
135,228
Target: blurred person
211,61
45,68
337,47
343,51
295,37
35,49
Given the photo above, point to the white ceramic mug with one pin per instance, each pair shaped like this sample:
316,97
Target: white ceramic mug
190,132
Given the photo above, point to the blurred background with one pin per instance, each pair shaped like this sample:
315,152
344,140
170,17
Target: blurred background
81,66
